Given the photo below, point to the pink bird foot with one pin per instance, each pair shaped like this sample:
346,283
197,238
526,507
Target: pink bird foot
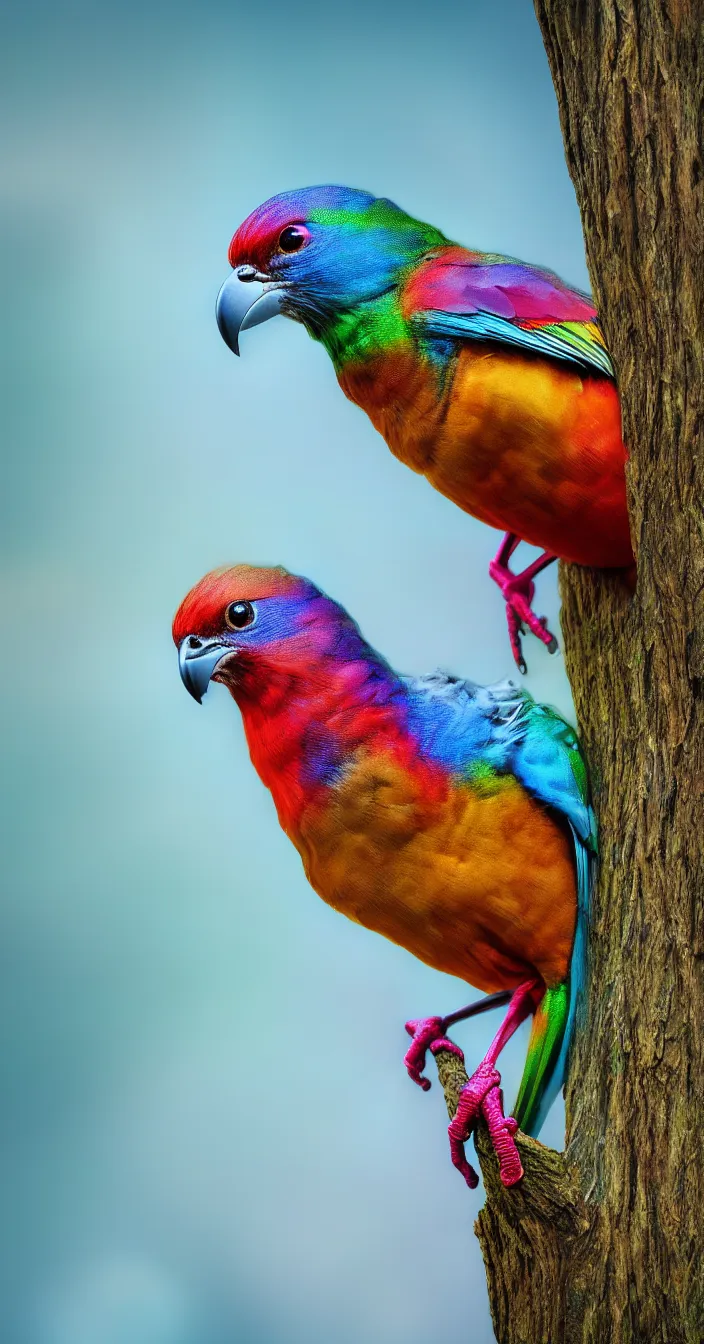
482,1095
518,591
429,1033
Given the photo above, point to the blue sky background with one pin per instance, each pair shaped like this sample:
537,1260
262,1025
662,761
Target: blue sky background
207,1134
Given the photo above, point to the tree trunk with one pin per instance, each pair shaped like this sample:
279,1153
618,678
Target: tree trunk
609,1245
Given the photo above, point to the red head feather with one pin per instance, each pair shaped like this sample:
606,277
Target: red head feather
202,610
256,240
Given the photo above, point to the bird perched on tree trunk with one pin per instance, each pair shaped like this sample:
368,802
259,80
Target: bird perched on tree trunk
450,817
488,376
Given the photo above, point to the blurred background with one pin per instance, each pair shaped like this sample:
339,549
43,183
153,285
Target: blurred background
207,1134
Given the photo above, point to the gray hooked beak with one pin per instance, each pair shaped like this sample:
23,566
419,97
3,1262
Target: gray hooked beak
197,661
246,299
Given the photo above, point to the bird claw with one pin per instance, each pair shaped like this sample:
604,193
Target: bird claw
482,1095
553,646
520,617
428,1034
518,592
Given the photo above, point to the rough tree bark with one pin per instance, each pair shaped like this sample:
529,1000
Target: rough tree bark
607,1244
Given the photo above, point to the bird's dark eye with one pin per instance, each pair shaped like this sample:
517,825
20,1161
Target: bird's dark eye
293,237
239,614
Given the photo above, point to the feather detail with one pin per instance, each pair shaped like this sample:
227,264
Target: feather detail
571,345
554,1020
457,718
463,295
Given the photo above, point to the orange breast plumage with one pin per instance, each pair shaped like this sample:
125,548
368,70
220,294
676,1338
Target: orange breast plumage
523,443
477,881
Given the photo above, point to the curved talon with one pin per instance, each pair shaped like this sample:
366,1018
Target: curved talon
553,646
518,591
482,1094
515,630
459,1161
428,1034
521,620
471,1101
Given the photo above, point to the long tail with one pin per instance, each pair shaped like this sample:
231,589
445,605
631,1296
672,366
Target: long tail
554,1018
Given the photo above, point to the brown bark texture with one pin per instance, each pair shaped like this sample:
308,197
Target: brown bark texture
607,1242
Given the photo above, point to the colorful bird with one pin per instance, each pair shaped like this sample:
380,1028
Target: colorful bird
450,817
487,376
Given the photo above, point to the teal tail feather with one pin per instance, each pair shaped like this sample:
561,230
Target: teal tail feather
554,1018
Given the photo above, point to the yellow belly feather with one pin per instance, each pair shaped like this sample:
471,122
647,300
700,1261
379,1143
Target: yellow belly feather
480,884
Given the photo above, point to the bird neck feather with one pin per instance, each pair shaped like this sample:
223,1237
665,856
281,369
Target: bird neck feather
363,332
304,724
